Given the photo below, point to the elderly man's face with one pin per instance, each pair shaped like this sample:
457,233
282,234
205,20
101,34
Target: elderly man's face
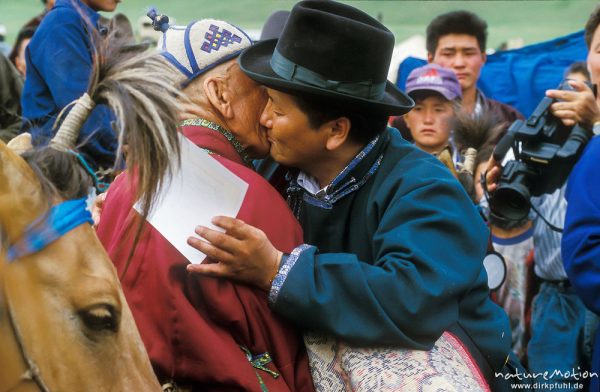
248,102
593,60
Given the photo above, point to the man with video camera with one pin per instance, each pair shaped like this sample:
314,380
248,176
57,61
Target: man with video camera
580,244
560,324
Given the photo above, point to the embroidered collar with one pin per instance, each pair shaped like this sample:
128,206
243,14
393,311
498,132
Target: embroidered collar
352,177
55,223
201,122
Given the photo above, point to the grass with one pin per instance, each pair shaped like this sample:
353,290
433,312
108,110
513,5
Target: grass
533,21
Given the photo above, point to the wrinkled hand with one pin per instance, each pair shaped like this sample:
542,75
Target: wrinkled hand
242,253
492,174
97,209
577,107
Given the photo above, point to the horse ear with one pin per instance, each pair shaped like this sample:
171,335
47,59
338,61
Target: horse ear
21,143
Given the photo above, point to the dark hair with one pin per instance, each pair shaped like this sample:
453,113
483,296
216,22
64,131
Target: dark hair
481,133
456,22
578,67
59,173
364,127
24,33
591,26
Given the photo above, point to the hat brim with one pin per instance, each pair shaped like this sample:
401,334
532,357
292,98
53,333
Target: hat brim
427,91
255,62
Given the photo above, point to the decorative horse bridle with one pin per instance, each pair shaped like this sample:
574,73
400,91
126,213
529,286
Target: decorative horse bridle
32,371
46,229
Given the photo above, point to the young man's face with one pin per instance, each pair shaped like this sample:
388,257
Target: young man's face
102,5
293,141
430,122
593,60
462,54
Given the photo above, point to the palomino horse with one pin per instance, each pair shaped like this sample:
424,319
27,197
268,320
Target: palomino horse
64,322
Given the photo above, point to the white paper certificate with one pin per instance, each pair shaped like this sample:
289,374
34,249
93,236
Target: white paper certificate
199,189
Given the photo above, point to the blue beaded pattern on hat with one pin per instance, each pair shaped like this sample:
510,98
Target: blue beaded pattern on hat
216,39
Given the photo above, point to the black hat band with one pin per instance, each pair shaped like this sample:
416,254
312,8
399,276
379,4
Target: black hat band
293,72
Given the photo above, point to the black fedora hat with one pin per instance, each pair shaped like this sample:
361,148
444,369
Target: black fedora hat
332,52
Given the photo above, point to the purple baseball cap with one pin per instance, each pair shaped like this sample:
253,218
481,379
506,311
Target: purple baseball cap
432,77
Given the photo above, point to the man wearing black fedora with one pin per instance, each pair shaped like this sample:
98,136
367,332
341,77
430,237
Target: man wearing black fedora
393,246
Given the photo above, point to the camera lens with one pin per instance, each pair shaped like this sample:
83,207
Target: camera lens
511,201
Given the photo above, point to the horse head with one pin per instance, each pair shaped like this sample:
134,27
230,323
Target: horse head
62,311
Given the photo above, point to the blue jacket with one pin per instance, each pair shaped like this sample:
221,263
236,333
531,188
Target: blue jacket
59,65
581,237
396,257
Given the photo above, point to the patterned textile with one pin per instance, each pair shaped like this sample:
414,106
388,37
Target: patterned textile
447,367
513,294
201,46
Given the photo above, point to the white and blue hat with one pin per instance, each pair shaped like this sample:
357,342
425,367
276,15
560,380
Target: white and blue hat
201,45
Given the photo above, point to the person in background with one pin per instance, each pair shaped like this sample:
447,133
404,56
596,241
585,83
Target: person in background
11,85
580,245
562,327
17,55
578,71
457,40
437,97
4,47
36,20
513,240
59,63
274,25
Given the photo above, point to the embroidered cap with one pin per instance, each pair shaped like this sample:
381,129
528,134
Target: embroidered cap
202,45
432,77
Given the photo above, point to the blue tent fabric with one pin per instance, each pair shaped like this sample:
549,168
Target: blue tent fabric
520,77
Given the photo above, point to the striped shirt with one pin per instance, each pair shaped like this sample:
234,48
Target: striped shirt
548,260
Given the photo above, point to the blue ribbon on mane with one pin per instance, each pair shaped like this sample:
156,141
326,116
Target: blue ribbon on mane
58,221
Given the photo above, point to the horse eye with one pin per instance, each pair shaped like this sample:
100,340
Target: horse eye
100,318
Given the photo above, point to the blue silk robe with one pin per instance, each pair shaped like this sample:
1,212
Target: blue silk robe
395,256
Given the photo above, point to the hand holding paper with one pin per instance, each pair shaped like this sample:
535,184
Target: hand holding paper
199,189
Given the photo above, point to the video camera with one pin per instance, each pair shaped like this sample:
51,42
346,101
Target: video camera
545,152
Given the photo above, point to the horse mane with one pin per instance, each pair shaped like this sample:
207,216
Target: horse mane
476,131
140,88
59,173
479,133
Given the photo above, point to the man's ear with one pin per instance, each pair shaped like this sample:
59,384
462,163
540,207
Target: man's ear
218,95
338,131
429,57
484,56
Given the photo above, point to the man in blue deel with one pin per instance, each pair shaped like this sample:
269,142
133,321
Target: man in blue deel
59,65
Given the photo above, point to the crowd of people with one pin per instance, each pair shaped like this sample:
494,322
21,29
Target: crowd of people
356,260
